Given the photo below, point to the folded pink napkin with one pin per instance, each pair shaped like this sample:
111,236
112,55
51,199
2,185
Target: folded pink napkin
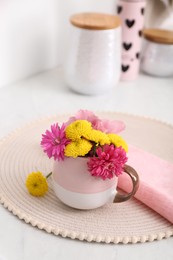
156,181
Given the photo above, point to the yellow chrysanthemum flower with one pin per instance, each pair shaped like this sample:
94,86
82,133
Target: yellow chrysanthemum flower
78,148
36,184
118,141
98,137
78,129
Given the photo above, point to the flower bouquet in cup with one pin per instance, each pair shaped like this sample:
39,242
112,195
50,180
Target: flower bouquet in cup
89,155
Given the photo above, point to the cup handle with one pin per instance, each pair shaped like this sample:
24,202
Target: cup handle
135,180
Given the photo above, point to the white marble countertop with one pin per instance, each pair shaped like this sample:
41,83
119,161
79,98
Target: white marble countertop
46,94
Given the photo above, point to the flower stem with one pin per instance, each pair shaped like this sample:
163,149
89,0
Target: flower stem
94,150
48,175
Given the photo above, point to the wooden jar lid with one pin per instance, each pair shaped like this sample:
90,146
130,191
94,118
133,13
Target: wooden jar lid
158,36
95,21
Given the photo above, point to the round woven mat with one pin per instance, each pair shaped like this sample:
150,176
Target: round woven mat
131,221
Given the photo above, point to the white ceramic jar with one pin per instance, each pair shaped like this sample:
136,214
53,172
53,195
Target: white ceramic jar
93,60
157,55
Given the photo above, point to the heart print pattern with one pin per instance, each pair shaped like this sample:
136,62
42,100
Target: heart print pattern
132,17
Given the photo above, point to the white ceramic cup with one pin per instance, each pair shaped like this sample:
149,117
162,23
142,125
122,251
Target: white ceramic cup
75,186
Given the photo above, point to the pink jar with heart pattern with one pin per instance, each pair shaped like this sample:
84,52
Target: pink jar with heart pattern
132,18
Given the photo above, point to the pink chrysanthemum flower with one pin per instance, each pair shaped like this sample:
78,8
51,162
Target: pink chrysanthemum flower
109,163
104,125
108,126
53,142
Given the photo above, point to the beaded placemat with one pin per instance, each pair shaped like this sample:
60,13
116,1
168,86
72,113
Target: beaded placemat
128,222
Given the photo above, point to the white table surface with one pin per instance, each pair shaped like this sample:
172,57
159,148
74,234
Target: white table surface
46,94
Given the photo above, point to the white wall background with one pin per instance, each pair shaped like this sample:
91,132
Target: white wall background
34,33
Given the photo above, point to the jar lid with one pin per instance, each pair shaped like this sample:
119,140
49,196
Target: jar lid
158,35
95,21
